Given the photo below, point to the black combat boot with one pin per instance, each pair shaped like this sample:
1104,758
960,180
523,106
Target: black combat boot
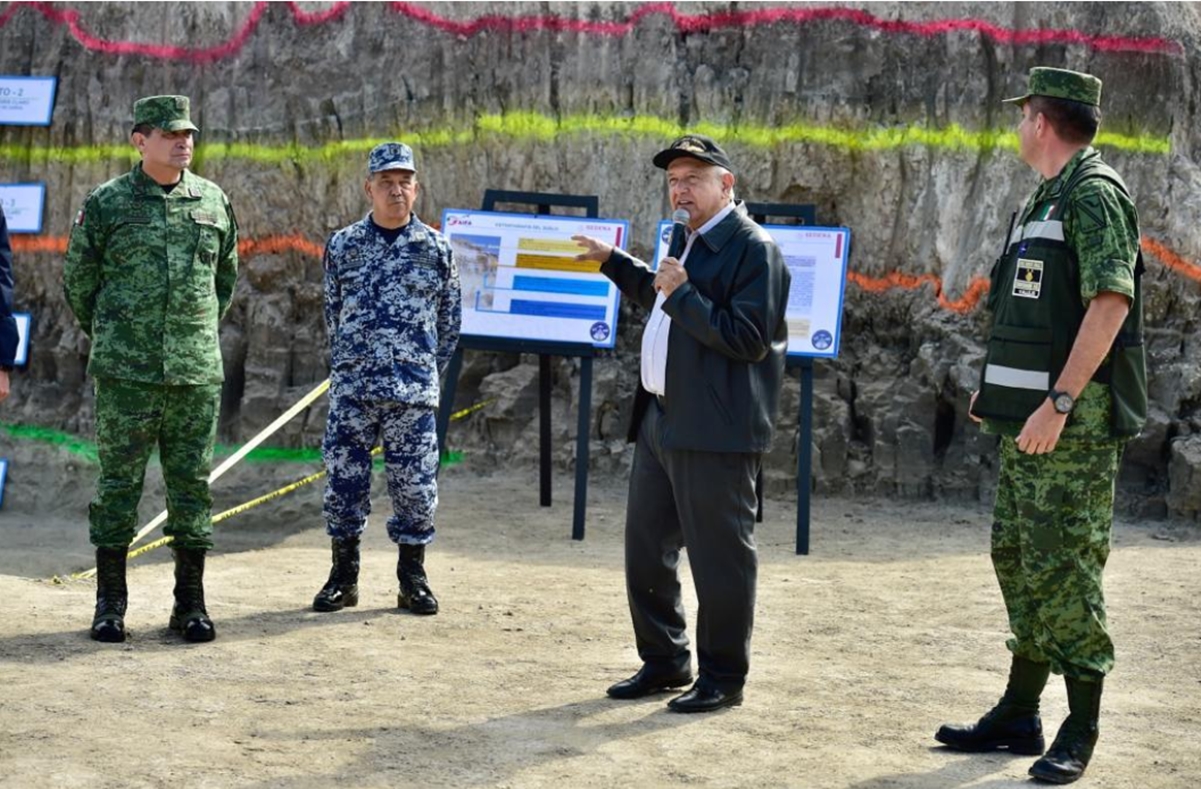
415,593
112,596
342,588
189,617
1014,723
1073,746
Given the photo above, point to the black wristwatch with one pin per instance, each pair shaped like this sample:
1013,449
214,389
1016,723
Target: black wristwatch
1062,401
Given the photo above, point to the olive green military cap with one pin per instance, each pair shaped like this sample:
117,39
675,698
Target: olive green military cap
1059,83
169,113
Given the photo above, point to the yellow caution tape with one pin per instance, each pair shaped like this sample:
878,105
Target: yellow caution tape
249,505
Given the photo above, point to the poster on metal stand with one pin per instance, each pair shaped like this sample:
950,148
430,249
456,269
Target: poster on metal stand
524,292
817,259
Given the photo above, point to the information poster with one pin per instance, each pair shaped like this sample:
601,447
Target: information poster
23,322
521,280
3,475
26,101
817,259
22,204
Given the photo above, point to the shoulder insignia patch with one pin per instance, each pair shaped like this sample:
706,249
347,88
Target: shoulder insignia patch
1091,215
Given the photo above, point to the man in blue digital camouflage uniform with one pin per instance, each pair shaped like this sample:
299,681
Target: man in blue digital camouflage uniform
150,270
1064,386
392,308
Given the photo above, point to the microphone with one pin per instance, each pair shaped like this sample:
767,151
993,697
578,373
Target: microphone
679,226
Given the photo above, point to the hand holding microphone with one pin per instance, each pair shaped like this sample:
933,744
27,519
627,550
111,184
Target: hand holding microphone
671,274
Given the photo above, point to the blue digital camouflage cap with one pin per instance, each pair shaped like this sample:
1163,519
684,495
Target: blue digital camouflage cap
169,113
1059,83
390,156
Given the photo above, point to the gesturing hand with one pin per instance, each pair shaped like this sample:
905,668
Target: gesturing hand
595,250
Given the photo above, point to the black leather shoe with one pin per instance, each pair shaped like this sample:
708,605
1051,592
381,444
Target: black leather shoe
704,698
648,681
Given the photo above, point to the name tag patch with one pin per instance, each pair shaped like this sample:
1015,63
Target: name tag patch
1028,281
202,217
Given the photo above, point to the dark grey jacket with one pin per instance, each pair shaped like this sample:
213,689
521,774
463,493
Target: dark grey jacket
725,353
8,324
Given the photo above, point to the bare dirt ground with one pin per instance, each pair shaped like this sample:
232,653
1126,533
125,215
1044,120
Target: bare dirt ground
893,625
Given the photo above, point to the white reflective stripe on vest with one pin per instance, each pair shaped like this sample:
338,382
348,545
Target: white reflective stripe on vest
1051,230
1016,378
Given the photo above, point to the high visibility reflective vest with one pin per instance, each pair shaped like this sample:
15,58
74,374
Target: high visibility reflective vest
1034,296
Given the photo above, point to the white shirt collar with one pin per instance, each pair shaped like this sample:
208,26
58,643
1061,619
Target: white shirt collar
713,220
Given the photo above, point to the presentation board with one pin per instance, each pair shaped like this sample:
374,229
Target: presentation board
26,101
22,204
817,259
521,280
23,320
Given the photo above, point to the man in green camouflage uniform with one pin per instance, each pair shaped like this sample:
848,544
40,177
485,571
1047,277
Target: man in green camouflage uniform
1063,385
150,271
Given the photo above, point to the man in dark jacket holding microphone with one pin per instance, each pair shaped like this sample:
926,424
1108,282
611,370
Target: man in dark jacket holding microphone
712,365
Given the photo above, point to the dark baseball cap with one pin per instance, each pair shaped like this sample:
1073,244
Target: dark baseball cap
694,146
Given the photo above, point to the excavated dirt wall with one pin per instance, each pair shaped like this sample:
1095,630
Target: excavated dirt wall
885,116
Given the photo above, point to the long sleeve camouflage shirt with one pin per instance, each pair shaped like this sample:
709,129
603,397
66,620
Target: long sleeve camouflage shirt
149,274
392,312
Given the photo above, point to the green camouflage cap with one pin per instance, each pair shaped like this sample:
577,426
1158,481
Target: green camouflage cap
1059,83
169,113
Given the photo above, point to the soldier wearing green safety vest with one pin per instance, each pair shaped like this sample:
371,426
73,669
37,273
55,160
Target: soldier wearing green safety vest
150,271
1064,386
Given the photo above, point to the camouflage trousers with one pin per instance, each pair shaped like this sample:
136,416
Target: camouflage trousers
1051,533
133,418
410,440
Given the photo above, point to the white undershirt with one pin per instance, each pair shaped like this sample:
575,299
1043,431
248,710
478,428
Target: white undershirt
658,326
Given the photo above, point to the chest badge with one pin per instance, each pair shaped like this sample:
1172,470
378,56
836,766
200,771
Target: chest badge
1028,280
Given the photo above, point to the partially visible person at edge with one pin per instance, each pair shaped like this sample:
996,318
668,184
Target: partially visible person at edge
1064,386
150,271
8,324
712,369
392,309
